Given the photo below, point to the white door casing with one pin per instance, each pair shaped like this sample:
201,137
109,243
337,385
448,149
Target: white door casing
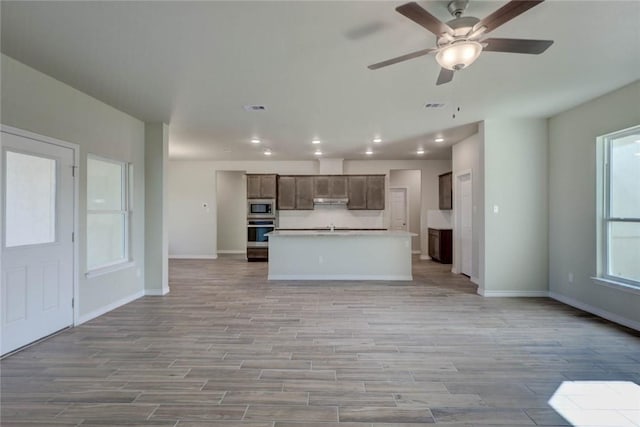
38,211
399,211
466,224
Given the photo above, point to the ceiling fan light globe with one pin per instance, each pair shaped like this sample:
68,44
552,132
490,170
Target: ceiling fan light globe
459,55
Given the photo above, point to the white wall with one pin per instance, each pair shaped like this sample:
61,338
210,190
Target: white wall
38,103
231,190
466,157
193,229
410,179
572,202
515,181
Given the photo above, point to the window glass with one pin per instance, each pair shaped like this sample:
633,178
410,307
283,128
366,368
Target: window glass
104,185
624,250
625,177
30,206
621,207
107,213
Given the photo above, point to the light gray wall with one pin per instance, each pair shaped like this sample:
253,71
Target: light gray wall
515,180
231,190
466,157
38,103
156,230
572,201
411,180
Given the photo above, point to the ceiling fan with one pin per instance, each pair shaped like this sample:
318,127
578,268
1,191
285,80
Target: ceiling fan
461,40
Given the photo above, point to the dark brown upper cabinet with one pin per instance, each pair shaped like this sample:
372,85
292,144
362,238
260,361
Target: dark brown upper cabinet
295,192
286,192
366,192
375,192
445,191
357,192
304,192
261,186
330,186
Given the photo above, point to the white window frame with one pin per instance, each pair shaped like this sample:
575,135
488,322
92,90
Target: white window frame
604,187
126,261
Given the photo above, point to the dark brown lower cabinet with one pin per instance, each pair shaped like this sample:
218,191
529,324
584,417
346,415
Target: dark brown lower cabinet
257,254
440,245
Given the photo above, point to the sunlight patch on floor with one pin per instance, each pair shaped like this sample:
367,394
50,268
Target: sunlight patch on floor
598,403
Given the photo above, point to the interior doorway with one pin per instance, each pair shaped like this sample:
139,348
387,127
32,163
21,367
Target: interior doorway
38,249
464,224
399,209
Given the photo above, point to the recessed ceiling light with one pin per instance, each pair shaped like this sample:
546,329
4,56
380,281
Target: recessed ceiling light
255,141
439,140
637,154
318,153
420,151
369,152
267,152
315,141
377,140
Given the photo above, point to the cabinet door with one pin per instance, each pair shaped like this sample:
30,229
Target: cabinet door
337,186
434,244
321,186
445,191
375,192
357,191
253,186
268,186
304,192
286,192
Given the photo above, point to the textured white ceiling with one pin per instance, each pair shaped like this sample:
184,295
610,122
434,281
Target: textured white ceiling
195,64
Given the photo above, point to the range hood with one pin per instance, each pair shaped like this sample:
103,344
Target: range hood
330,201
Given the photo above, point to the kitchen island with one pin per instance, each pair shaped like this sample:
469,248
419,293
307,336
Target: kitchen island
340,255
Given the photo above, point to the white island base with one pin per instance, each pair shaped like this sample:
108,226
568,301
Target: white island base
340,255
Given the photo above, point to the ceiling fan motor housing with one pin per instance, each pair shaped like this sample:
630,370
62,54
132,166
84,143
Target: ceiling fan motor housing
457,7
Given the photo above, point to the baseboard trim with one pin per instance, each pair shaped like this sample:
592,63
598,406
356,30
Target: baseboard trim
595,310
510,294
156,292
337,277
416,252
425,257
107,308
193,256
241,252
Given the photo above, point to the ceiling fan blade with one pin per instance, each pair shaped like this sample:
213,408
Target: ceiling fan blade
445,76
506,13
395,60
533,47
421,17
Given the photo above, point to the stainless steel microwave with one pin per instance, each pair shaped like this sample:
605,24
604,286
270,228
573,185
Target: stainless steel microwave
261,208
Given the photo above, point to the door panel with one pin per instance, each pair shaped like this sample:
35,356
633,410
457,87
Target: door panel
37,251
399,209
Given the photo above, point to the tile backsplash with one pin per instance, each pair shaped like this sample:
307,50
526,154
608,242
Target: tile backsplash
324,216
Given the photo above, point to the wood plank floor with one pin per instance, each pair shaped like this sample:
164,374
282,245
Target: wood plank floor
228,348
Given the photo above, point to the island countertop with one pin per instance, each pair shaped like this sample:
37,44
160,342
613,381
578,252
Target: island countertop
337,232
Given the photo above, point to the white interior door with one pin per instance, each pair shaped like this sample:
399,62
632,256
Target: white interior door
399,209
37,245
466,224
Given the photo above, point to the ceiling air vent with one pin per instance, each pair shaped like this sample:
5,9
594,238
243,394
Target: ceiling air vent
254,108
434,105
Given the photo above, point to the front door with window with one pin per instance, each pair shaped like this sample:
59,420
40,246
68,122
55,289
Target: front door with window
37,245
